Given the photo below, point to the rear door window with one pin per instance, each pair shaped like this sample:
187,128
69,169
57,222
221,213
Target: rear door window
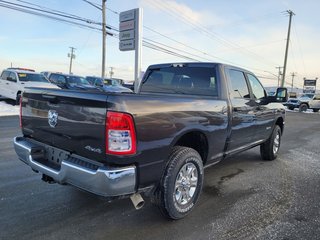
181,80
5,75
12,77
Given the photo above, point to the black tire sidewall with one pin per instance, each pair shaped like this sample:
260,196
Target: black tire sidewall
18,99
175,210
303,107
266,149
275,132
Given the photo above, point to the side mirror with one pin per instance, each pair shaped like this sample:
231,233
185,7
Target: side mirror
281,95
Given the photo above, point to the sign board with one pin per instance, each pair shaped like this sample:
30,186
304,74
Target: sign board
309,85
128,25
130,36
308,82
126,35
126,45
126,16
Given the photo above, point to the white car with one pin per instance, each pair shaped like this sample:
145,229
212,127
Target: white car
314,103
14,80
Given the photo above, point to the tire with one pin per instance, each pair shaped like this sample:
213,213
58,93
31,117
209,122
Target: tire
269,149
315,110
303,107
291,108
179,189
18,98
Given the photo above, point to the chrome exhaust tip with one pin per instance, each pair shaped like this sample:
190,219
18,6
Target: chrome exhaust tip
137,201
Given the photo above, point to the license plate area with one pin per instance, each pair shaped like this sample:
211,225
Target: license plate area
55,155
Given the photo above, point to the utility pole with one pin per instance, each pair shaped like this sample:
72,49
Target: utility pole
104,35
111,72
279,75
292,75
287,48
71,56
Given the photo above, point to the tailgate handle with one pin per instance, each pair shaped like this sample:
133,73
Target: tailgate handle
51,99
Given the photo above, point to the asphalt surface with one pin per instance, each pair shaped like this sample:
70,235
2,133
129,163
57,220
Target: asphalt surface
243,198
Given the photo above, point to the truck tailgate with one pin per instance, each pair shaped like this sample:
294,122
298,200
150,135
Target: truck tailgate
70,120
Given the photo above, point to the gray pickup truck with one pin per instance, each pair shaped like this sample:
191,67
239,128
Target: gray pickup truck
156,142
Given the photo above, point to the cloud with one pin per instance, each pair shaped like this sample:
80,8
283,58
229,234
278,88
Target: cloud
183,12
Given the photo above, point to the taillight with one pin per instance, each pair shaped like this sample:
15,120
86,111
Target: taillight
20,115
120,134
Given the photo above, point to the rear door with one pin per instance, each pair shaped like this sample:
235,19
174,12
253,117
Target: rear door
9,84
14,85
4,84
243,116
315,102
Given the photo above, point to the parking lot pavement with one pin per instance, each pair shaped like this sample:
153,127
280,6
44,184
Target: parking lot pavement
243,198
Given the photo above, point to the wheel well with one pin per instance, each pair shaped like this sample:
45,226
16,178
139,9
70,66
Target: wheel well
280,123
197,141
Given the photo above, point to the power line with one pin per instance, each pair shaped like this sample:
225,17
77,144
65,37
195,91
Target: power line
299,46
38,12
53,13
195,49
180,16
47,16
93,4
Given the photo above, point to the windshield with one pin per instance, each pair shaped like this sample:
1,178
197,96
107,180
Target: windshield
32,77
306,96
75,80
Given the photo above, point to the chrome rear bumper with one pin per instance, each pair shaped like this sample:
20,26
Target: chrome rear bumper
74,170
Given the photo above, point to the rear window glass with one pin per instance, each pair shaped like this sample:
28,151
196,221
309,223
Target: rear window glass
181,80
31,77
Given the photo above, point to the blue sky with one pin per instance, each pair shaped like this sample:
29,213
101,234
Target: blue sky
247,33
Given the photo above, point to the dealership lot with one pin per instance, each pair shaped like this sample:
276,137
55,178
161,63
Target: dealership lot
243,197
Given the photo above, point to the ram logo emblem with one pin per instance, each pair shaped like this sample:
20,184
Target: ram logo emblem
52,118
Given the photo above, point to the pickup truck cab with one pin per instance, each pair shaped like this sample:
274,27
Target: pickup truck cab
13,81
70,81
184,117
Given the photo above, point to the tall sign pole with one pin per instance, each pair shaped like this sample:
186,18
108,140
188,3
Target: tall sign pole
138,47
287,48
104,35
130,36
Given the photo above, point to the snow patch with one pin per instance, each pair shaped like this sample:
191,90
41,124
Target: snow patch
8,110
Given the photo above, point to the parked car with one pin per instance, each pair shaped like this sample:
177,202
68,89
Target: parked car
184,117
304,102
13,82
292,103
69,81
94,81
129,85
310,103
108,84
